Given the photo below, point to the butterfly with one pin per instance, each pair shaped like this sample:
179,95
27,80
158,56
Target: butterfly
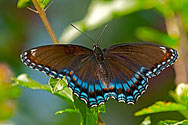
120,71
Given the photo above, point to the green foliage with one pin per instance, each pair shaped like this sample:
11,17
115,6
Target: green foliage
161,106
60,89
152,35
147,121
26,3
180,95
173,122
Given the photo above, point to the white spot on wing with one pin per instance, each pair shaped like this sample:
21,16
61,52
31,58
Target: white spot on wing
163,49
33,51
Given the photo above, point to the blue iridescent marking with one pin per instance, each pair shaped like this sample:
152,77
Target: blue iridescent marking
102,85
134,79
126,87
75,77
65,71
166,65
142,69
60,76
149,74
154,70
92,100
39,67
97,87
46,69
118,85
113,94
84,84
121,96
79,81
144,83
71,84
68,78
100,99
77,90
27,61
130,99
140,88
161,68
83,95
106,95
91,88
130,82
53,73
136,94
32,64
157,72
136,75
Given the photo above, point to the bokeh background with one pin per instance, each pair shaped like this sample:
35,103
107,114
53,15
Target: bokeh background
22,29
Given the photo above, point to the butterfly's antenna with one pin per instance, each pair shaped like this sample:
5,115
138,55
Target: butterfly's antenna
102,33
83,33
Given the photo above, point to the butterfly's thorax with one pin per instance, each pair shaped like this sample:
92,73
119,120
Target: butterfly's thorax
98,53
102,71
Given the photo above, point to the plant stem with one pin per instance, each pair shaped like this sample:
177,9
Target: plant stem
45,21
181,66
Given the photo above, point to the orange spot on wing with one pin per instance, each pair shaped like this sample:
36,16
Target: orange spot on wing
164,58
71,73
36,61
105,89
74,79
31,57
167,54
91,92
111,88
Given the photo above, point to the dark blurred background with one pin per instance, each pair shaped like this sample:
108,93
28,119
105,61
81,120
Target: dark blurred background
22,29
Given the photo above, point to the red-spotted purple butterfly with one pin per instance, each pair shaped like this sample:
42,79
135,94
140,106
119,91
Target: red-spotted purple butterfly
119,71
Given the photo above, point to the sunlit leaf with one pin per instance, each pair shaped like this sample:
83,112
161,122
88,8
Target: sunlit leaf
60,87
147,121
26,3
162,107
182,93
88,115
173,122
25,81
68,111
57,84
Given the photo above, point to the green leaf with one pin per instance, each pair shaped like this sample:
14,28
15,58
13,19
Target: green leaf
60,87
89,116
161,106
173,122
68,110
57,84
150,34
43,3
26,3
182,93
147,121
25,81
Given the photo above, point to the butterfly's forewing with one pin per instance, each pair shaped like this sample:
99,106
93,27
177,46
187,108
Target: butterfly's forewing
132,64
75,62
